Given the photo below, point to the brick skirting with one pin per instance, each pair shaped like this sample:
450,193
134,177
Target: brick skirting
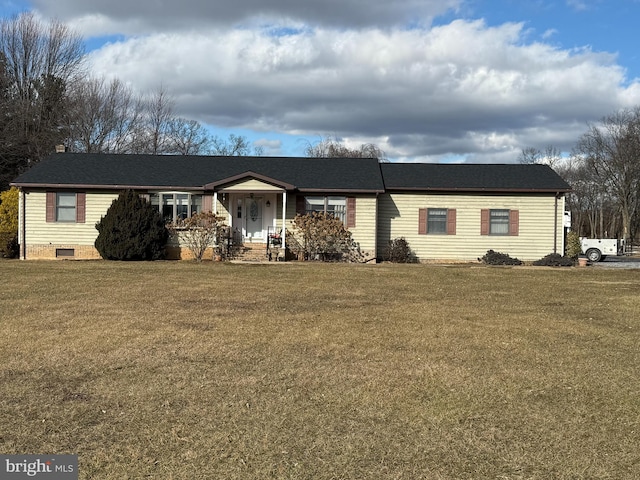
89,252
62,252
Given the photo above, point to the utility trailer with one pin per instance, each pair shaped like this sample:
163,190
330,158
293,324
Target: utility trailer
596,249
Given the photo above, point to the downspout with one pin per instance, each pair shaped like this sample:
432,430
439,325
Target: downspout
23,229
375,252
555,223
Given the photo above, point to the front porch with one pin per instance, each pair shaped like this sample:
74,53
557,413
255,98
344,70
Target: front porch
234,246
255,209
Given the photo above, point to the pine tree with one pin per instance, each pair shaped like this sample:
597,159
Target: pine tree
132,229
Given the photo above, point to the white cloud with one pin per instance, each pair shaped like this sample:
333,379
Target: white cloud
427,93
269,147
462,90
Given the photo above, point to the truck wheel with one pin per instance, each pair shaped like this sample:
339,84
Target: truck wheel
594,255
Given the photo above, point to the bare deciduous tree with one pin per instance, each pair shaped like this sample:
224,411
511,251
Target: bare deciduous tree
234,146
153,134
39,62
187,137
103,117
611,150
333,148
551,156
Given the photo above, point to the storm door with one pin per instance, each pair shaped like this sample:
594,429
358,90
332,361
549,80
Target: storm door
253,218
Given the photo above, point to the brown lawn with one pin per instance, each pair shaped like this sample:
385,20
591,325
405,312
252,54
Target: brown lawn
176,370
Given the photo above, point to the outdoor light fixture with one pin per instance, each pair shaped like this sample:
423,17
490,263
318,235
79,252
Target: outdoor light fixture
268,203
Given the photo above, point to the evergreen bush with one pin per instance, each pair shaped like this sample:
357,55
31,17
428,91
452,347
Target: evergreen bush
132,229
9,247
497,258
9,223
573,245
554,260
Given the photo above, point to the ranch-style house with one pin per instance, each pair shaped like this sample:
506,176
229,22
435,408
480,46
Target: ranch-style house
445,212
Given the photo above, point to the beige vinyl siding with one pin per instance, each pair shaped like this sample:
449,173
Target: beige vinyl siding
252,185
364,233
64,233
222,209
398,217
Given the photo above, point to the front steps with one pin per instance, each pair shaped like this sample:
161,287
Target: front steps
252,252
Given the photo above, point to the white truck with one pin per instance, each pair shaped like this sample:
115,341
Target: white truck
596,249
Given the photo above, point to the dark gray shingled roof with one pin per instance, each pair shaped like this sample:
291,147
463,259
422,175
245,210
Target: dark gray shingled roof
472,177
193,172
304,174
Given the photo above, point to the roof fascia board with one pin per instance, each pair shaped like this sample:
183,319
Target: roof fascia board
340,190
478,190
106,187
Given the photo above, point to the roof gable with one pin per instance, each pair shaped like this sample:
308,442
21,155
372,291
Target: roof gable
249,181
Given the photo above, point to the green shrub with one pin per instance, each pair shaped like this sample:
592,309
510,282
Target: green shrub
9,247
573,248
398,251
132,229
9,210
554,260
497,258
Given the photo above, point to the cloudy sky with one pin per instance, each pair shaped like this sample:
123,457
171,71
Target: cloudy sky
426,80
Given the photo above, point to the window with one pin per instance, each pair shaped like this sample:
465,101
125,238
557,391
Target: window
176,206
499,222
65,207
335,206
437,221
343,208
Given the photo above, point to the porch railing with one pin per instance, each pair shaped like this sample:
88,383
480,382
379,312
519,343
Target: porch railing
230,241
274,241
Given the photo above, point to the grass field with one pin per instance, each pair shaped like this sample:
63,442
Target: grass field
174,370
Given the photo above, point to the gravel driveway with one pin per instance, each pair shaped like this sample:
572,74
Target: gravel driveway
619,262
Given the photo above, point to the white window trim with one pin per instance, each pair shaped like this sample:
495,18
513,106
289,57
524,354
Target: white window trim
68,208
500,223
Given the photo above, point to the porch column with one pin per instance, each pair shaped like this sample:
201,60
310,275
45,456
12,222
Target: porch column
215,203
284,224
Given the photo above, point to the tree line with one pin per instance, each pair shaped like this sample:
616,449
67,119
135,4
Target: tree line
603,169
48,98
